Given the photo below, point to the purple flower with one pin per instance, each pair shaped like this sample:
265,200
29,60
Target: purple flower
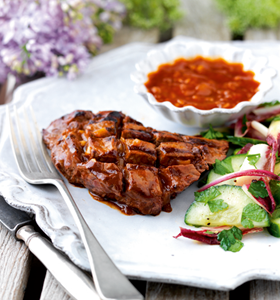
55,37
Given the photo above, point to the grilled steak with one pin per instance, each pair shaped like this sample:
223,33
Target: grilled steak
119,159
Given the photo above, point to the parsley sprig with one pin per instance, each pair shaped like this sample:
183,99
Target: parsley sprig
230,240
252,212
208,197
253,159
258,189
223,167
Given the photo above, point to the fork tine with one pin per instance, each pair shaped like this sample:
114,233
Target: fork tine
34,146
42,146
15,146
25,150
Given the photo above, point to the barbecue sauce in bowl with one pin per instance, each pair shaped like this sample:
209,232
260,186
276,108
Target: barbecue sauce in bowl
202,82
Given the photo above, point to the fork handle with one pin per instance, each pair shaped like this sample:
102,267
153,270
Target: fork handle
110,283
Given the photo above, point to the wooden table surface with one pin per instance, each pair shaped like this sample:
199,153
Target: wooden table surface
22,276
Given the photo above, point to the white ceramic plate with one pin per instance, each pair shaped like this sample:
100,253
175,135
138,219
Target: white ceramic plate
143,247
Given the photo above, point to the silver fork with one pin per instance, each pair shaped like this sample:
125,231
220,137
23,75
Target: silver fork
36,167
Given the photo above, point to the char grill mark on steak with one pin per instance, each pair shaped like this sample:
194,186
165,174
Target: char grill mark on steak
139,152
165,136
135,130
118,158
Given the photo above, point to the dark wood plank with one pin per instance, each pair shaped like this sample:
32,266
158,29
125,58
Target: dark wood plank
15,262
162,291
264,290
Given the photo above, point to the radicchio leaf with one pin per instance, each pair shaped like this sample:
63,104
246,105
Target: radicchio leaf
273,140
267,203
245,149
210,238
201,236
241,127
251,172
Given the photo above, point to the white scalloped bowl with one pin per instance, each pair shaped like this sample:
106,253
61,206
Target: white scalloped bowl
189,115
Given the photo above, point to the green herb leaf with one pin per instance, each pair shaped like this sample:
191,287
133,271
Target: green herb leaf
244,126
258,189
274,118
242,141
276,214
252,212
253,159
229,238
209,232
236,247
275,190
269,104
246,223
212,134
223,167
217,205
207,195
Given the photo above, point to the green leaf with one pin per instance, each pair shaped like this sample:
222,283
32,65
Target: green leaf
212,134
252,212
244,126
209,232
258,189
274,118
269,104
236,247
207,195
242,141
246,223
276,214
223,167
230,239
275,190
253,159
217,205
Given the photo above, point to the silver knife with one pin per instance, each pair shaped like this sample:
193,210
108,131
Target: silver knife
71,278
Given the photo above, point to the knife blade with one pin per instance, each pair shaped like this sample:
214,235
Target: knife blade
71,278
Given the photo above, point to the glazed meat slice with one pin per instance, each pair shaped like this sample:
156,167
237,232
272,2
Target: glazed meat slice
56,129
210,149
140,152
165,136
66,155
143,191
135,130
175,179
175,153
103,179
102,149
119,159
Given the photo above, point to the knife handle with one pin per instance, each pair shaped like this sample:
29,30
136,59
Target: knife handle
72,279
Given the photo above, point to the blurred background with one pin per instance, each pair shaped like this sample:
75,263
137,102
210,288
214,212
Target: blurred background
58,37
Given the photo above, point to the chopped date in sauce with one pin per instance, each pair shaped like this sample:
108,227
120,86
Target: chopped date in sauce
203,83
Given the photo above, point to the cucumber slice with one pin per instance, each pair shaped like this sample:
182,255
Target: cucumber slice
274,228
236,162
199,214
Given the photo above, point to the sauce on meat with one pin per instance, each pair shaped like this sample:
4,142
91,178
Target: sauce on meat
123,208
203,83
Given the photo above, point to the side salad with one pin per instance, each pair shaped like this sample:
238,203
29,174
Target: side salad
242,193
